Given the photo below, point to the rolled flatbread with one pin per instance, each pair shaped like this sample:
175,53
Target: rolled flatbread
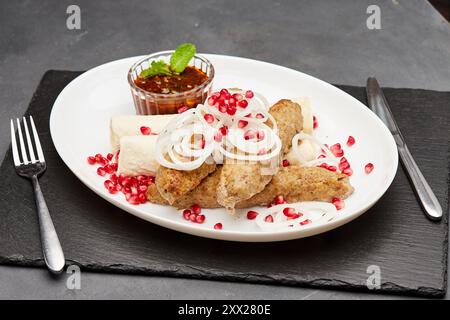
308,121
130,125
137,155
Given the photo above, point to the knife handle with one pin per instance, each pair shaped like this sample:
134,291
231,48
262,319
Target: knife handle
428,200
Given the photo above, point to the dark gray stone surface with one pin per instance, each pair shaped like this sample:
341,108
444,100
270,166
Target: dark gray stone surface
326,39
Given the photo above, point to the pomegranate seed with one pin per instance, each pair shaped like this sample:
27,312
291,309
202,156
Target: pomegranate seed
182,109
249,94
338,203
249,134
260,135
101,171
242,124
350,141
369,167
113,189
126,182
232,102
141,178
224,92
215,95
304,222
103,161
127,190
259,116
285,163
231,110
211,100
196,209
321,156
108,183
337,150
146,130
113,178
109,156
243,103
200,218
142,198
237,96
323,165
91,160
142,189
348,171
343,166
223,108
269,219
279,200
218,226
218,137
332,168
108,169
98,157
293,216
252,215
288,212
133,200
209,118
134,190
336,146
186,214
224,130
134,181
343,159
120,179
315,122
202,143
193,217
151,179
114,167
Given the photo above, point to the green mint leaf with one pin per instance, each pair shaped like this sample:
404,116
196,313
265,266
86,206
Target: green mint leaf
181,57
156,68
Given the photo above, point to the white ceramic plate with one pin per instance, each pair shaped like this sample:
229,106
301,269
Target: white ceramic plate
79,127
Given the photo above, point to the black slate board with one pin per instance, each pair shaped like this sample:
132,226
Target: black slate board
410,250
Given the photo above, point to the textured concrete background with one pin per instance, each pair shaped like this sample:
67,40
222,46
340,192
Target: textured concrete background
327,39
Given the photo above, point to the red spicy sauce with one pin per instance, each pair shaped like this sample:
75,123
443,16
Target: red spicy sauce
170,85
185,81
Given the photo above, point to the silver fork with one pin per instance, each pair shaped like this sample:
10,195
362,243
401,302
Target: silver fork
31,168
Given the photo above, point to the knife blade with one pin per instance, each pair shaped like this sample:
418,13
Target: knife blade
379,105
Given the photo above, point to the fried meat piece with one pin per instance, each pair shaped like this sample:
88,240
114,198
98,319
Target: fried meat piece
173,184
240,180
294,183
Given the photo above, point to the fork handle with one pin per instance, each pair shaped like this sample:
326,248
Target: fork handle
51,248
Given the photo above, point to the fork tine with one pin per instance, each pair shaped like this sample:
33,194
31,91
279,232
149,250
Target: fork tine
15,152
30,144
37,141
22,144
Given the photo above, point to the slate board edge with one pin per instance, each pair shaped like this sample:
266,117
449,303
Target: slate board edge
327,284
385,288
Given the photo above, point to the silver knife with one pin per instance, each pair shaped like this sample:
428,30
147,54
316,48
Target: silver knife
378,104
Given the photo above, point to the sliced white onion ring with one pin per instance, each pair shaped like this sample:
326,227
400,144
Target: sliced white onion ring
316,212
329,156
175,142
175,148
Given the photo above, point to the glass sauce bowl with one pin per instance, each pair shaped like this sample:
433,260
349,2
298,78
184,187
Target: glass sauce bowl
147,102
